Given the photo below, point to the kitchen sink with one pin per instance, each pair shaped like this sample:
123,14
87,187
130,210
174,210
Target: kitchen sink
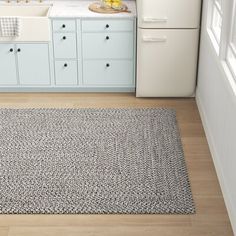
34,21
25,10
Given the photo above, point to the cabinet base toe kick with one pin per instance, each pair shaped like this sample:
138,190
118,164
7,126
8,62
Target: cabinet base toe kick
68,89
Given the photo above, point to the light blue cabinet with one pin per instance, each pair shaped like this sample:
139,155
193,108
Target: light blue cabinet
108,53
66,72
66,52
108,45
24,64
64,25
33,64
87,54
64,45
8,73
108,72
108,25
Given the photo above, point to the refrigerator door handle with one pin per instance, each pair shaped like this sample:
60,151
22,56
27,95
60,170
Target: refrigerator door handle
158,40
154,20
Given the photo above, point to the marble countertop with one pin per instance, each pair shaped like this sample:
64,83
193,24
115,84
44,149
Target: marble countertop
78,8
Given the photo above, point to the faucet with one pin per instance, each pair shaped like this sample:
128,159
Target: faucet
26,1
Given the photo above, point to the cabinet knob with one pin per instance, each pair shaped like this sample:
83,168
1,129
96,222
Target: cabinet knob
63,26
64,37
11,50
107,38
107,65
107,26
65,65
18,50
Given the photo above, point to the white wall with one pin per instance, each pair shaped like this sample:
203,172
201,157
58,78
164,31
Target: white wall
216,98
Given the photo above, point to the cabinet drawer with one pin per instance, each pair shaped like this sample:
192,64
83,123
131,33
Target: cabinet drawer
64,45
107,45
64,25
107,25
66,72
167,62
169,13
108,72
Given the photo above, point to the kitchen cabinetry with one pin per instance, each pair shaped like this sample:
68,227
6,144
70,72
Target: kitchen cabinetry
108,72
8,73
108,53
64,25
66,72
24,64
65,52
84,54
108,45
64,45
33,64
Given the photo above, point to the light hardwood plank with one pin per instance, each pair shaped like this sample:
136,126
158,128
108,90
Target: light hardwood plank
118,231
95,220
3,231
211,217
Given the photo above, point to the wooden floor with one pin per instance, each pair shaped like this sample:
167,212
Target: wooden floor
211,218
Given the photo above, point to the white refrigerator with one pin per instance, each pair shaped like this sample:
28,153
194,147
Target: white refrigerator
167,47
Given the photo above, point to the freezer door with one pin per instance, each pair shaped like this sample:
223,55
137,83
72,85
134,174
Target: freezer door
168,13
166,62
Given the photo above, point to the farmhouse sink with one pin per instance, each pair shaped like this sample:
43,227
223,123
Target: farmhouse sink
34,21
25,10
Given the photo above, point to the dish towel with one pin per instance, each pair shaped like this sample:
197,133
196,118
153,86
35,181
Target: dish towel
9,27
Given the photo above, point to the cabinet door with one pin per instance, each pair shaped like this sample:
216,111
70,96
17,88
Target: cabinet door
33,63
167,63
8,74
169,13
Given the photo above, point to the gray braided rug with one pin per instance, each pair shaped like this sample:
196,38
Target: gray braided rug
92,161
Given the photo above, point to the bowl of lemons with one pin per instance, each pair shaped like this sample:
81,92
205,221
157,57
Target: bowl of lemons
114,4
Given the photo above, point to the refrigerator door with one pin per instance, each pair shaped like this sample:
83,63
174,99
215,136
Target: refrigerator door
168,13
166,62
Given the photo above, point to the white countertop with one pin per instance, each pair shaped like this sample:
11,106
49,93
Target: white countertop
75,8
78,8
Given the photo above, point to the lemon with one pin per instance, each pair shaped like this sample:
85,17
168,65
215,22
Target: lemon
117,4
107,3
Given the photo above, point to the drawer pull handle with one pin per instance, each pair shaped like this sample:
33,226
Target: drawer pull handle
107,26
11,50
63,26
107,65
65,65
18,50
155,20
107,38
158,40
64,37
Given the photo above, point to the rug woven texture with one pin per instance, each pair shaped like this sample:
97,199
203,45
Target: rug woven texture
92,161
